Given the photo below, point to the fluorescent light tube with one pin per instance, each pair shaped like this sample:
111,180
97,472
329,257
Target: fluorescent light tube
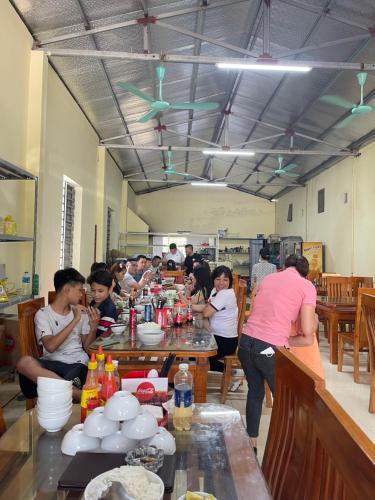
274,200
261,66
209,184
228,152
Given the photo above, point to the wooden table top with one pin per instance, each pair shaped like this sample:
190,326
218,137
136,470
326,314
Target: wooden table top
337,302
215,456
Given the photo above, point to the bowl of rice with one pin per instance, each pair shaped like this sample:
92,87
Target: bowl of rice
139,483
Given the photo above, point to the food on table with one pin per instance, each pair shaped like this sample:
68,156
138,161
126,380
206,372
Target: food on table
196,496
135,480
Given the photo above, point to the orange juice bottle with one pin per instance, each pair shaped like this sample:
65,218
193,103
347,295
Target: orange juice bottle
109,381
91,388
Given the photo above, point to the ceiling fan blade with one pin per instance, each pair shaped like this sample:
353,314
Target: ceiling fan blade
346,122
290,174
337,101
145,118
207,106
289,167
129,87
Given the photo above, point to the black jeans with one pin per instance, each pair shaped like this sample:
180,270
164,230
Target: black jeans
225,347
258,368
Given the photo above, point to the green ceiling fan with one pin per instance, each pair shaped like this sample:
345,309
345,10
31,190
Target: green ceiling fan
158,105
169,169
285,170
356,109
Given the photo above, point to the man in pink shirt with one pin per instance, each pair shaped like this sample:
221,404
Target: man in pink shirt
281,299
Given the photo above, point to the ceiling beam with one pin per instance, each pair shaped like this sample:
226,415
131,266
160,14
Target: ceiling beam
211,60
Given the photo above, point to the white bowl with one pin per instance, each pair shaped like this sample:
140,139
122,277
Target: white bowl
96,486
149,327
51,412
118,329
118,443
97,425
53,424
76,440
53,384
139,308
143,426
122,406
201,493
162,440
150,338
53,400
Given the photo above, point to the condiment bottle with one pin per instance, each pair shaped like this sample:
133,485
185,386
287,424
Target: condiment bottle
91,388
109,382
91,405
189,313
100,360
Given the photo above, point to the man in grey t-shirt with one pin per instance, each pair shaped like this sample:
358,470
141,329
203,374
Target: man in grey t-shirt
64,329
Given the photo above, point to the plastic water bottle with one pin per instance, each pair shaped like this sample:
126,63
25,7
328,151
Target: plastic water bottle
26,284
183,398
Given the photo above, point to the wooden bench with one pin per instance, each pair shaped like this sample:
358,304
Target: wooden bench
314,449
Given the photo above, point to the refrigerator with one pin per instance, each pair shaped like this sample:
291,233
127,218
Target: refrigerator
283,246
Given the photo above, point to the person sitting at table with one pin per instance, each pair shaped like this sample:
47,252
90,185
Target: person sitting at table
281,299
129,282
262,268
148,263
64,329
198,286
141,267
118,271
155,265
222,313
101,288
175,255
171,265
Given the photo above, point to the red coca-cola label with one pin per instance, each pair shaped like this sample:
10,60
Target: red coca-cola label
145,392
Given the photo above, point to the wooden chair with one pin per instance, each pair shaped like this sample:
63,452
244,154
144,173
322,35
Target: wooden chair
232,362
322,282
28,343
314,449
83,300
3,427
368,309
361,282
339,286
357,338
178,275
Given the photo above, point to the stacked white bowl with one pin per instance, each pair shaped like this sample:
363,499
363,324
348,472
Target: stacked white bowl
54,405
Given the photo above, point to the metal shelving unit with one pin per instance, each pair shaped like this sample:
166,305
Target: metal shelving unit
10,172
149,243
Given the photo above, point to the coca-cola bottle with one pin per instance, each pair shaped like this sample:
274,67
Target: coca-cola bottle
189,312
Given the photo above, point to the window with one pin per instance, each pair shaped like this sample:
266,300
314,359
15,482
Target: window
290,213
67,225
320,201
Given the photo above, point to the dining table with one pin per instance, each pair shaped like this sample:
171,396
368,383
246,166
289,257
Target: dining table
215,456
193,342
335,310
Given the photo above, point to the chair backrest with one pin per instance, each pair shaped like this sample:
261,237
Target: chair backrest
26,314
339,286
52,296
322,280
314,449
360,334
368,309
178,275
236,280
361,282
241,304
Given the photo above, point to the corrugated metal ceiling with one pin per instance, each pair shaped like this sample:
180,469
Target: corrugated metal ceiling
289,101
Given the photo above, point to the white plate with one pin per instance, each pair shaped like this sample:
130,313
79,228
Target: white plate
93,489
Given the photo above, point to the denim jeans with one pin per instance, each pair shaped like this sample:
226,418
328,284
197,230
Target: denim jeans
258,368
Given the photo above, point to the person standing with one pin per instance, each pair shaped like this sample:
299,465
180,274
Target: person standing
175,255
263,268
188,263
282,298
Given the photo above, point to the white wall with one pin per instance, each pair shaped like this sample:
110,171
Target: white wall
346,229
204,210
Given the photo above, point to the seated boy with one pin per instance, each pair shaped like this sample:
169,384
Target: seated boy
64,329
101,284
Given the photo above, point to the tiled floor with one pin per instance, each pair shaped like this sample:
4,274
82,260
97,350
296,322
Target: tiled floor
353,397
